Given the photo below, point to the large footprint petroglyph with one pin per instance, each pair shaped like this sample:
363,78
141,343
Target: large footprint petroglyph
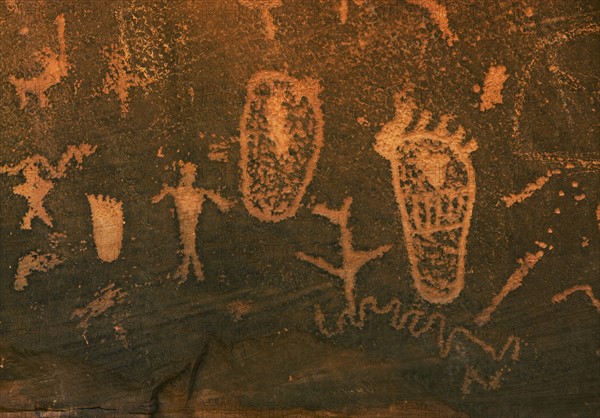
189,201
434,183
107,220
416,321
54,68
281,136
39,175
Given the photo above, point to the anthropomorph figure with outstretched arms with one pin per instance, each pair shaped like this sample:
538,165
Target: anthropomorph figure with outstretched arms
39,177
189,201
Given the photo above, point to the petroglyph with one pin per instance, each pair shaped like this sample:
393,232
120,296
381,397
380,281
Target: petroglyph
12,6
439,16
137,59
54,68
492,87
189,201
39,175
529,190
343,9
587,289
590,163
418,322
55,238
31,262
105,299
238,310
35,189
218,152
281,136
545,48
121,335
529,12
264,6
219,148
352,260
472,375
563,78
107,219
526,264
565,83
445,337
121,77
434,183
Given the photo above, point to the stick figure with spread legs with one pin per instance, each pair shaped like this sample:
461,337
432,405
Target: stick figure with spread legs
189,201
39,176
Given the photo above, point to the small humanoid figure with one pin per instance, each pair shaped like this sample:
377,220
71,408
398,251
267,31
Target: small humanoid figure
189,201
39,175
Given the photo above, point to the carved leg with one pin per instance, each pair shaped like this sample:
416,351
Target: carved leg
183,270
198,268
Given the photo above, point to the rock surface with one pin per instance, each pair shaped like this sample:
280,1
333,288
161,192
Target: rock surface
311,208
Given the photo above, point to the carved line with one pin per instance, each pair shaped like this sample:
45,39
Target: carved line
400,322
515,280
529,190
587,289
473,376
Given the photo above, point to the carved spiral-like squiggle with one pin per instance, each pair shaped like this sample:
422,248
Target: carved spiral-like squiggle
446,337
410,320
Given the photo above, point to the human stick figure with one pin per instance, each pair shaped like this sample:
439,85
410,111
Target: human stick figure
39,177
352,260
189,201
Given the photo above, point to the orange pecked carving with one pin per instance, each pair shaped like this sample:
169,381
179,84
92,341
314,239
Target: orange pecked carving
189,201
54,68
434,183
281,136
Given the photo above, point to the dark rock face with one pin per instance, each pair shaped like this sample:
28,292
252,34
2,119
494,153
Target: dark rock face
299,208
